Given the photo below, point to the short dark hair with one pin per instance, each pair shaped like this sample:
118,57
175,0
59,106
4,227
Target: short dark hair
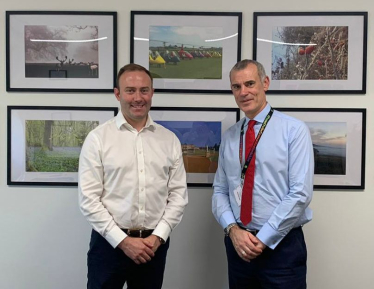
132,67
242,64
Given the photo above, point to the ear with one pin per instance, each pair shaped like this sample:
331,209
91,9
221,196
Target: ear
266,83
117,93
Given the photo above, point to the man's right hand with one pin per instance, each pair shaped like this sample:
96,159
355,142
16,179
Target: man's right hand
137,249
245,244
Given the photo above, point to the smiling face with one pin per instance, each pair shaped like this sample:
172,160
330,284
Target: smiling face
249,90
135,96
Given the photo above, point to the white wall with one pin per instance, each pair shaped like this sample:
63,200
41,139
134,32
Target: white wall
44,238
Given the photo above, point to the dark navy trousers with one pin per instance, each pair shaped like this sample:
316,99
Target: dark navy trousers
281,268
110,268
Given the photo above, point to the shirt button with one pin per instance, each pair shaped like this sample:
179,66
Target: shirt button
141,171
140,152
142,189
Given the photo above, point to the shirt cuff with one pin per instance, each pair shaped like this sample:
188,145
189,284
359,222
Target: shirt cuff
226,219
115,236
269,236
162,230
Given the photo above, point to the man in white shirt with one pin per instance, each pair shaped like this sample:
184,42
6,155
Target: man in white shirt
132,189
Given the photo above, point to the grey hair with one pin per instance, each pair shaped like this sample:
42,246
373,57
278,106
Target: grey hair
242,64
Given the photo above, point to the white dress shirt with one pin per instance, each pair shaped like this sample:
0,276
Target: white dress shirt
131,180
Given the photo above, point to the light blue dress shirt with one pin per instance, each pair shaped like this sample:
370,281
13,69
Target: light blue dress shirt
283,185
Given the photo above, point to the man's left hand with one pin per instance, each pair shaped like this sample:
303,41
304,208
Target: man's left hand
155,242
260,245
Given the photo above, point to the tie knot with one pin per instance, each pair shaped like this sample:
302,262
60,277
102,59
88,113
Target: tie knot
251,123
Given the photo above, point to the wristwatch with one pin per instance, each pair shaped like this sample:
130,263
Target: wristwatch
228,228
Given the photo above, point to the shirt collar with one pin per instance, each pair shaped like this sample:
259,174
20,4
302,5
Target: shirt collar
120,120
262,115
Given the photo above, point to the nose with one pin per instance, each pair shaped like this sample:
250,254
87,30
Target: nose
243,90
137,95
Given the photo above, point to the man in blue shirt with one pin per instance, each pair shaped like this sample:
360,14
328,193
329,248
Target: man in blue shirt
269,251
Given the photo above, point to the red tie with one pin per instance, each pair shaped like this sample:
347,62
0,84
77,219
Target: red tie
246,206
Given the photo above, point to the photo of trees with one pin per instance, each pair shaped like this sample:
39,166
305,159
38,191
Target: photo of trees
310,53
55,145
61,51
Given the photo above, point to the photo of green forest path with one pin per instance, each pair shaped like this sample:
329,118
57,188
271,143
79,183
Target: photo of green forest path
55,145
310,53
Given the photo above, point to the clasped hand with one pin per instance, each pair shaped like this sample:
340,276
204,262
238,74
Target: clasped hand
246,245
140,250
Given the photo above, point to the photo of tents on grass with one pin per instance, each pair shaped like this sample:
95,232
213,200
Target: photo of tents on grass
185,52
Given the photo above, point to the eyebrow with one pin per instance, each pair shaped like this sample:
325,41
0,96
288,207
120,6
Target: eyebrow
133,87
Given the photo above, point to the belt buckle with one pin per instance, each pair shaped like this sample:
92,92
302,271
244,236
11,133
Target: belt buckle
253,232
140,233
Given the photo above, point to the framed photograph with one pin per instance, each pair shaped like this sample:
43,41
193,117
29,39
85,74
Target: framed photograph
61,51
200,132
189,52
44,142
312,52
338,137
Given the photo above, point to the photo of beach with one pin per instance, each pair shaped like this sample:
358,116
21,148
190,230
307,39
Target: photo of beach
329,146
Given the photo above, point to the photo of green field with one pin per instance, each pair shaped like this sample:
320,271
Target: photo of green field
209,68
185,52
55,145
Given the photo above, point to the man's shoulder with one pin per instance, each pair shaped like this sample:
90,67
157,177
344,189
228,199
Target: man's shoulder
164,132
290,125
236,126
233,130
104,127
287,118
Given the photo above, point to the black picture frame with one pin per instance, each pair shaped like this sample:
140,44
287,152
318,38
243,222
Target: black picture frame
193,63
312,52
200,130
339,141
61,51
49,157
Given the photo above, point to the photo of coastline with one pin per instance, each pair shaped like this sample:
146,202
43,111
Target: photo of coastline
200,142
329,146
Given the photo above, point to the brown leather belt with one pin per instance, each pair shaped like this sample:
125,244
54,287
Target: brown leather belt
138,233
